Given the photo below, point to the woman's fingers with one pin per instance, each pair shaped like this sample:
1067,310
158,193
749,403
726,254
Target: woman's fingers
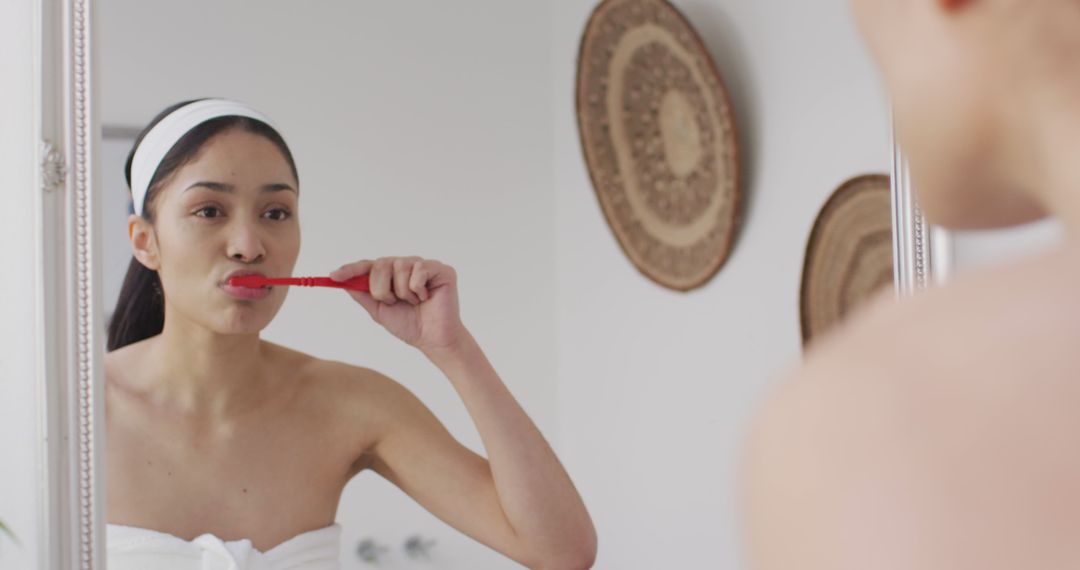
419,278
403,268
350,270
381,280
366,301
391,279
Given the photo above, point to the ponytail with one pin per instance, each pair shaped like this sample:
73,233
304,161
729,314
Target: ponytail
140,309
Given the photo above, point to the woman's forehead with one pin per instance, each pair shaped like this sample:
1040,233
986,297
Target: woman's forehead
241,159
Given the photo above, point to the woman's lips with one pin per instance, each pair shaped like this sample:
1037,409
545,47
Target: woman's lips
246,293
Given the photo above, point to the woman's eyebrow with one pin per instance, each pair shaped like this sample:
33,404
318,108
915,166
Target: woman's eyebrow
277,187
229,188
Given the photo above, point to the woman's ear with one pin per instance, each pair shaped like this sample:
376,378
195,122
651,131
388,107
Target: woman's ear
143,242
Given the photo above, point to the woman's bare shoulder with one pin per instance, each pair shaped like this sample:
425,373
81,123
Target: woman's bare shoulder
354,389
336,374
969,388
125,357
1004,321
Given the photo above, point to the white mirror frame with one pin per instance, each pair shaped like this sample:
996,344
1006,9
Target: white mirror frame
922,253
71,375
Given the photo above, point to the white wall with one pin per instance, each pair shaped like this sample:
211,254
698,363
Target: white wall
116,199
418,129
655,386
18,322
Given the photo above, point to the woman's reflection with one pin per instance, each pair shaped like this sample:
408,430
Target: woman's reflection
223,444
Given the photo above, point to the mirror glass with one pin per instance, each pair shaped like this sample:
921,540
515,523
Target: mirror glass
448,131
416,130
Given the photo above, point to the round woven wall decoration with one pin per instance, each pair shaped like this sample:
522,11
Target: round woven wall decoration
849,256
659,139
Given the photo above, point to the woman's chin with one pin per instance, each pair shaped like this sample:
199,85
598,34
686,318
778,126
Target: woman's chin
244,318
241,328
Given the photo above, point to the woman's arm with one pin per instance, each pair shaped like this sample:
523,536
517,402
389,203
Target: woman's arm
520,501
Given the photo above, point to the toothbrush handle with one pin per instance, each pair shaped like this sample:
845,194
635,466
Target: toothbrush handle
358,283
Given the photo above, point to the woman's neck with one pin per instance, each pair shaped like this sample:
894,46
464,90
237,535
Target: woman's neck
206,375
1054,176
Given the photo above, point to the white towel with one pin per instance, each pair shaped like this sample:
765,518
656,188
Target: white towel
134,548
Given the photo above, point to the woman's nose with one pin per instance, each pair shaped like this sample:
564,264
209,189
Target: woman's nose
245,244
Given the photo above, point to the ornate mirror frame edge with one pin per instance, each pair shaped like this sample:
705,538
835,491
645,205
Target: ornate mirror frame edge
922,252
70,370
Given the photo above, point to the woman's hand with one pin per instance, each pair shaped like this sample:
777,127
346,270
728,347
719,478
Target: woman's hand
415,299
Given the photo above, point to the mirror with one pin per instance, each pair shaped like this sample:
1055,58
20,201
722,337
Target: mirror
447,131
410,138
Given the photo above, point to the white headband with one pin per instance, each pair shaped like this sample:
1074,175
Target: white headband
168,131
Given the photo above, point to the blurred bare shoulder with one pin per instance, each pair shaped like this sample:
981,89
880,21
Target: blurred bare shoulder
936,432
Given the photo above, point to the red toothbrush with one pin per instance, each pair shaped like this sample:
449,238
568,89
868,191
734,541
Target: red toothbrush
358,283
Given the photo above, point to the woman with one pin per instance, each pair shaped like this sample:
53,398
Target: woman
942,431
224,446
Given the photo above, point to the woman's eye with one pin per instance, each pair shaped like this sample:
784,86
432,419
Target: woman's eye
208,212
278,214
